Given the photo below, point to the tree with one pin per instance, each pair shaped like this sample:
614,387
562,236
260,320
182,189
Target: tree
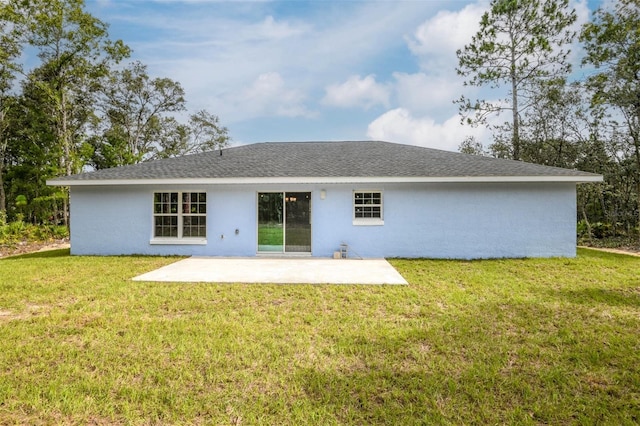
75,52
10,50
33,153
612,44
470,145
138,124
519,42
207,132
556,125
135,124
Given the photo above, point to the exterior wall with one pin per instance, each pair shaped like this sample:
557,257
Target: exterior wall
420,220
458,221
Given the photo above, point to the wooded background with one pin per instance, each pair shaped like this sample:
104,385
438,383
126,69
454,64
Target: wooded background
85,105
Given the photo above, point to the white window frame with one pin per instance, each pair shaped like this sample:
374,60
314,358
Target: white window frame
367,221
180,238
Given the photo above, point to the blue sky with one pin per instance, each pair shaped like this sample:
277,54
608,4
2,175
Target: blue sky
319,70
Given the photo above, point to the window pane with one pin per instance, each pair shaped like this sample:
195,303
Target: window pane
367,205
166,226
194,226
168,206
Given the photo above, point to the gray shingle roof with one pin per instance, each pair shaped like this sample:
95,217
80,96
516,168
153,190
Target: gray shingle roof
353,159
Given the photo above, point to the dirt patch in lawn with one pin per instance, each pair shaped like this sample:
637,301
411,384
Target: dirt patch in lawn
24,247
631,251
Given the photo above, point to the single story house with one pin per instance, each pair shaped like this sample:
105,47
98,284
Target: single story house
374,199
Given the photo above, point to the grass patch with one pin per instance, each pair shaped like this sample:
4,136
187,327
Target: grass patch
536,341
270,235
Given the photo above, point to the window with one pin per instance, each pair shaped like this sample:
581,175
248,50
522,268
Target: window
179,215
367,208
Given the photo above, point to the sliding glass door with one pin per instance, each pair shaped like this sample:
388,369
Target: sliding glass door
297,234
271,222
284,222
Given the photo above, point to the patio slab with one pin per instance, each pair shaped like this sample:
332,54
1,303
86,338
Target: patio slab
277,270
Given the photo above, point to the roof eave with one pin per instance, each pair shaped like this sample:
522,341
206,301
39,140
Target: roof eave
323,180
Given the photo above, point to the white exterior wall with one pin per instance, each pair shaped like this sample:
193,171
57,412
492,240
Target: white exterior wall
434,220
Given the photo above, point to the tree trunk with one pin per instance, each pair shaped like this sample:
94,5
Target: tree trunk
64,136
3,153
586,221
3,196
635,135
514,102
638,208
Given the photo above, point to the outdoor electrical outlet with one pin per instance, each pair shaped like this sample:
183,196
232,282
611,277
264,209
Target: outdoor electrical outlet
237,231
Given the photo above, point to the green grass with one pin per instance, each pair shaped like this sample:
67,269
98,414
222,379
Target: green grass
549,341
272,235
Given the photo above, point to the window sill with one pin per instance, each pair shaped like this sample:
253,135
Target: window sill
179,241
368,222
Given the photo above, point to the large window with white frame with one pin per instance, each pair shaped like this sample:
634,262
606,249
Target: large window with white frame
367,207
180,215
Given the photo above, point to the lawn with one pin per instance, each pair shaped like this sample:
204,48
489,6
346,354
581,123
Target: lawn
549,341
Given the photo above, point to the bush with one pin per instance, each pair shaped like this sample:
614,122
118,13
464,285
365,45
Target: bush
18,230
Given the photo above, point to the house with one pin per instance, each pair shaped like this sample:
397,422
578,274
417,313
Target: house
372,199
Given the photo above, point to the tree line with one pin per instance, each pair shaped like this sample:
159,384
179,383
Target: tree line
590,123
80,103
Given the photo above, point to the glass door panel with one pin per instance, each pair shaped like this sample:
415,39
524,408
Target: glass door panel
270,222
297,222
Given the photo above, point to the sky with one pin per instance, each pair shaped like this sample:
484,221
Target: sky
314,70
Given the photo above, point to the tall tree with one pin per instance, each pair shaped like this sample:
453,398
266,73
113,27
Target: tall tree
33,154
137,119
519,43
556,125
75,52
612,44
138,122
10,50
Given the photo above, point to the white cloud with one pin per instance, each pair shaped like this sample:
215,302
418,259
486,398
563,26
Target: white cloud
357,92
267,96
215,48
426,93
273,30
429,94
399,125
437,39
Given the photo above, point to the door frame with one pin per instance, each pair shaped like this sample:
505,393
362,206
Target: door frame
284,224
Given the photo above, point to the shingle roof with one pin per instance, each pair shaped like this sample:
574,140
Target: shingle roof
354,159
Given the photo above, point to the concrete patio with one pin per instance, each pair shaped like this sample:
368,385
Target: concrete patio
277,270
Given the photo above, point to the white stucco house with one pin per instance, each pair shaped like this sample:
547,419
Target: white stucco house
381,199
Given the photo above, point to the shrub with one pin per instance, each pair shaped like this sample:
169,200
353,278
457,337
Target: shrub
18,230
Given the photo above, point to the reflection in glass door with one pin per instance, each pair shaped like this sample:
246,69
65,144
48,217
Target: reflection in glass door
297,222
270,222
284,222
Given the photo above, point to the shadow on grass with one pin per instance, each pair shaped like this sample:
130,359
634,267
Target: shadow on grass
374,396
41,254
591,296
